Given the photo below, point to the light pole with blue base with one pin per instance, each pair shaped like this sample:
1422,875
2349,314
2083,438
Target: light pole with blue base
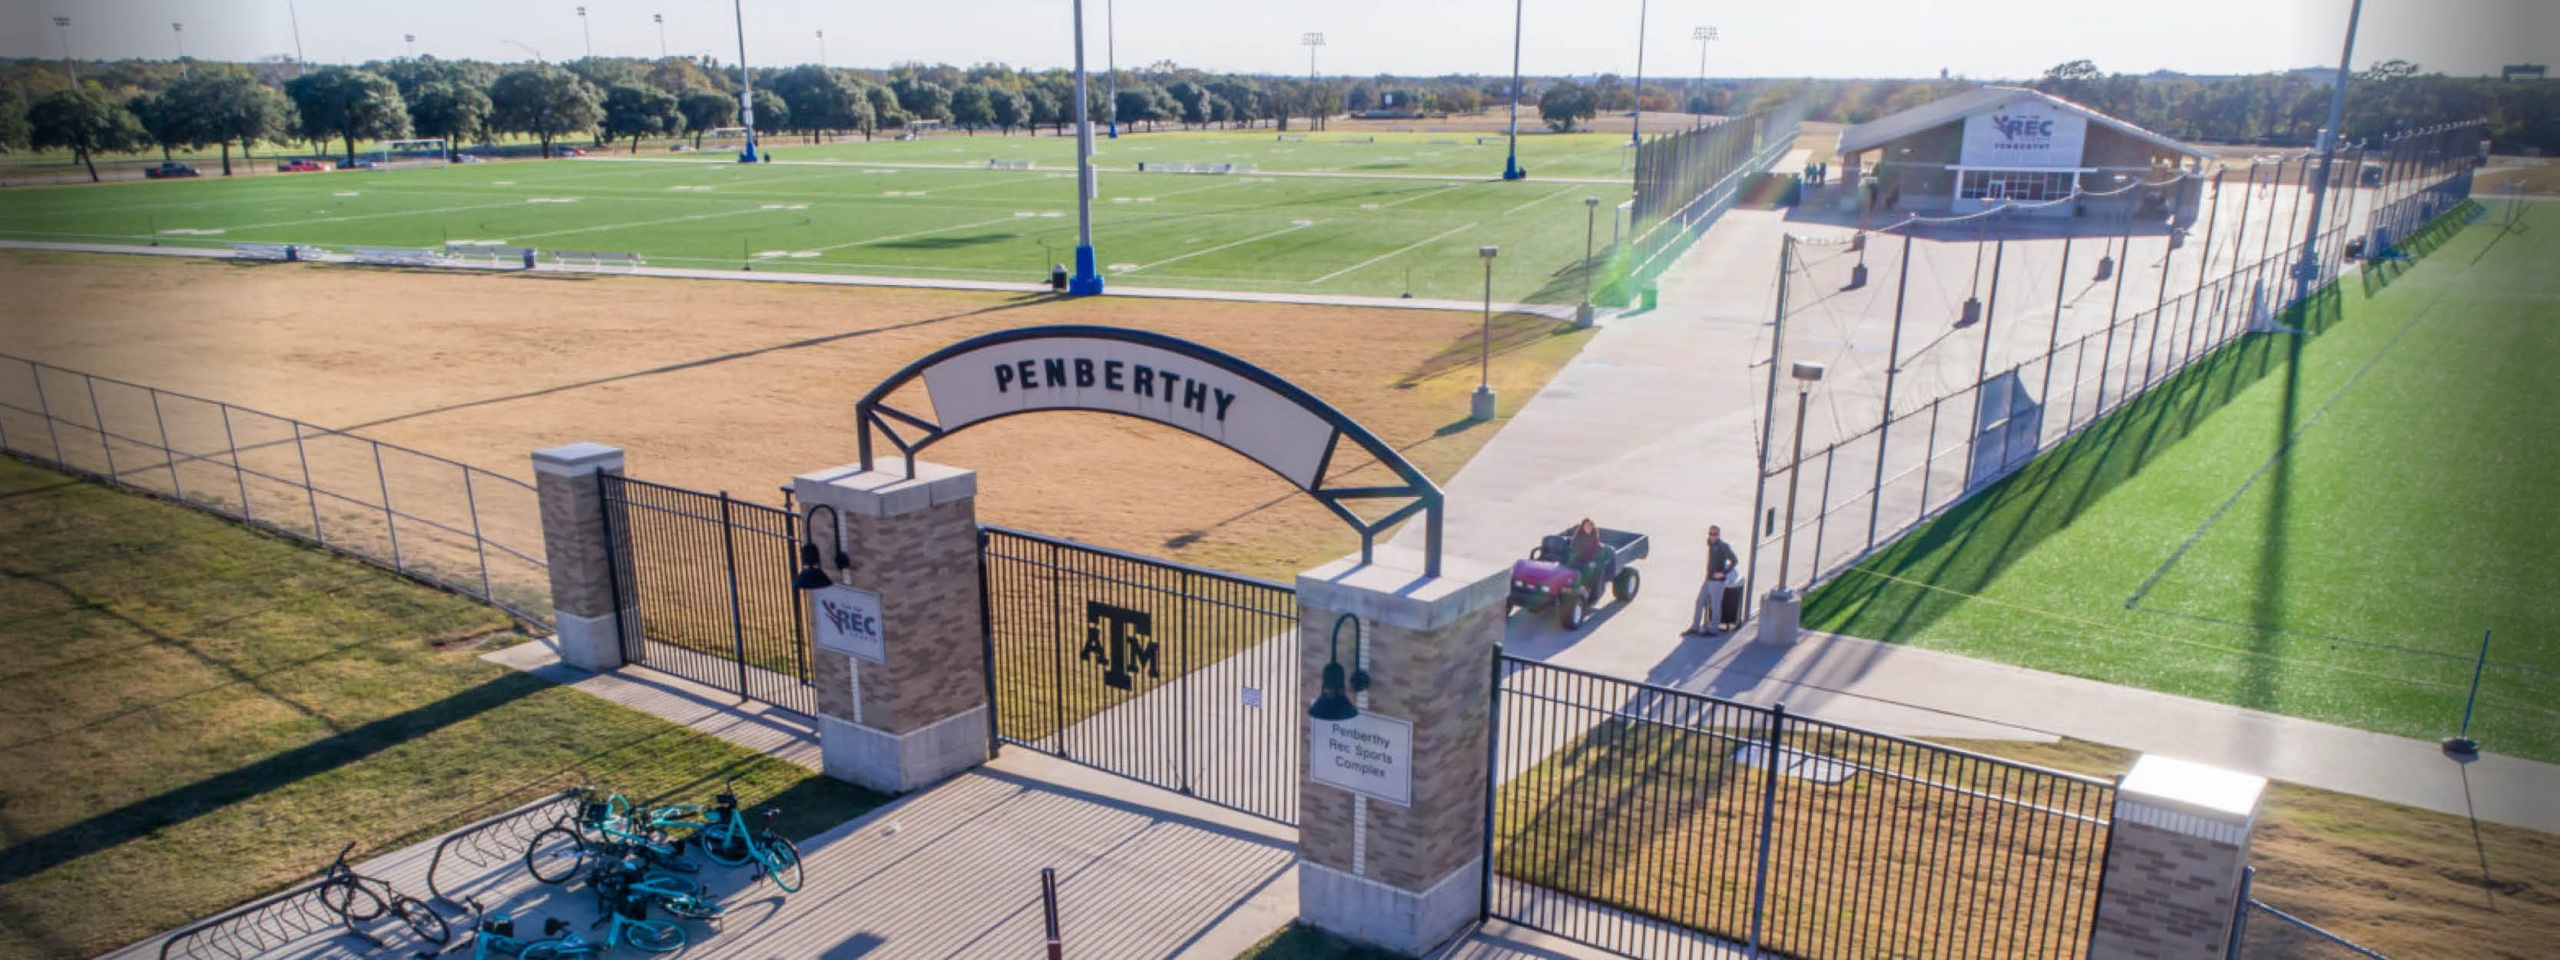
746,86
1511,165
1087,280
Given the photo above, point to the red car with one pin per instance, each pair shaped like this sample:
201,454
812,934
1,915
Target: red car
301,166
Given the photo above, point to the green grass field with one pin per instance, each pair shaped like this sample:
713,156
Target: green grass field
196,714
1318,216
2318,526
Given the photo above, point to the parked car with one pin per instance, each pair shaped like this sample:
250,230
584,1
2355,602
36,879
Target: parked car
301,166
356,164
168,170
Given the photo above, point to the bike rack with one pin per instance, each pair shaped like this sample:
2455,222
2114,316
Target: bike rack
259,927
497,839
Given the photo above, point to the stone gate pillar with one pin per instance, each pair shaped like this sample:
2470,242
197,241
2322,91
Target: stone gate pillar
1399,863
917,713
2174,861
575,550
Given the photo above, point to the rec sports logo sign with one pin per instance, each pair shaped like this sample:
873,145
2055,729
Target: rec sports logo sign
2028,135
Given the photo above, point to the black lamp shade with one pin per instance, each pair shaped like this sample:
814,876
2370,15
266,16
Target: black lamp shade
1332,703
810,577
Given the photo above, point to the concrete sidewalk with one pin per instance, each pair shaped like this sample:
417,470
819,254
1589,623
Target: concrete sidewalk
1654,428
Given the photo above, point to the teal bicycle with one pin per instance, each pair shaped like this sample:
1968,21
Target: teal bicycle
493,937
622,874
728,840
558,854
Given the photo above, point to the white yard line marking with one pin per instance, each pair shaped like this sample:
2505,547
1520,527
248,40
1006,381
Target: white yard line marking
1538,201
374,216
1292,228
1400,251
1420,196
1008,218
643,223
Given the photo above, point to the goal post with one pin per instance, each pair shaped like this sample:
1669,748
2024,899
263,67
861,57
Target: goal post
724,139
425,152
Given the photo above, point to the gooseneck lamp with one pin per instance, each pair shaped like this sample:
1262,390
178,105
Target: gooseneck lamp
1333,698
811,577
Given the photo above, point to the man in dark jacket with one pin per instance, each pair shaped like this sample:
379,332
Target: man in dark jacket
1720,566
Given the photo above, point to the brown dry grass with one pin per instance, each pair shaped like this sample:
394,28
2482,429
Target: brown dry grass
2406,882
739,386
2541,178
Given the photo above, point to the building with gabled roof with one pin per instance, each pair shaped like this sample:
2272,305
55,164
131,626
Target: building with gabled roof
1993,145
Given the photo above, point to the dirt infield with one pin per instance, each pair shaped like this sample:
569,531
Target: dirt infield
740,386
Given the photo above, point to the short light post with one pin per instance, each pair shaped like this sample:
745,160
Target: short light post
1779,613
63,24
1704,36
2460,746
588,34
1480,406
1590,237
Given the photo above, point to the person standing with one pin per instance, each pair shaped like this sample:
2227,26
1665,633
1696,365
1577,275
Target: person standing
1720,566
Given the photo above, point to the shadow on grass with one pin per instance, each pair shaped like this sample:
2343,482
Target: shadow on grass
2376,275
1963,550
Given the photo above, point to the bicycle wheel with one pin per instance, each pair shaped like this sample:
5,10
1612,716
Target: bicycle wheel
351,901
722,842
694,908
555,855
652,936
426,923
558,950
783,861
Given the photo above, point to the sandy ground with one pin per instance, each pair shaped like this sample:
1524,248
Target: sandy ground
739,387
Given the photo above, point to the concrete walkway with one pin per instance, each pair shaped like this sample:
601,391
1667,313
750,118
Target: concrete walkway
1653,428
1116,289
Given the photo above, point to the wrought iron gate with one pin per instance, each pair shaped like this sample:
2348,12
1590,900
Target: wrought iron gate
1177,676
702,583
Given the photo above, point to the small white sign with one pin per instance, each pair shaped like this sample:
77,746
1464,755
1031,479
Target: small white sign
1253,697
849,622
1369,755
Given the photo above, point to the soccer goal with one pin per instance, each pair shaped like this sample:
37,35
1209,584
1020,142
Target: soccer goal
724,140
395,154
919,129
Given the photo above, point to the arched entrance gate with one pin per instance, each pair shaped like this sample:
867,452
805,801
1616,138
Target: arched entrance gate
1178,676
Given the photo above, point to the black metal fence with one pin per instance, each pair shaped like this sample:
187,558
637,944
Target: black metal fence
703,587
438,520
2260,931
1658,823
1174,675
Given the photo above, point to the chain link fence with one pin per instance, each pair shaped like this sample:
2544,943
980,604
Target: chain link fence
1957,349
437,520
1684,180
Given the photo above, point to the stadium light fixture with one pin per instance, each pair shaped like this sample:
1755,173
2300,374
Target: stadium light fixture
1312,41
1480,405
409,45
63,24
1704,36
1087,280
661,20
179,31
812,576
1511,165
822,49
587,32
1333,695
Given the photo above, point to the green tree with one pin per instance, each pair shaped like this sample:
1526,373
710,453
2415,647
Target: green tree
85,121
972,108
922,99
236,108
1566,104
544,101
450,111
819,100
706,110
1011,107
348,104
167,124
14,132
632,111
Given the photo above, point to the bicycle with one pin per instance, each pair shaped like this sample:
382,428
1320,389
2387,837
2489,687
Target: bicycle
556,855
726,840
496,936
358,899
627,875
627,909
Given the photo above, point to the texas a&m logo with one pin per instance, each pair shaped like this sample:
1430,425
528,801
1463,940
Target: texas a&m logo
1122,640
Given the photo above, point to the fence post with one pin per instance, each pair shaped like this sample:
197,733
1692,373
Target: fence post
586,616
1768,423
241,476
2240,914
1492,779
390,521
1892,372
1768,823
471,501
308,491
737,617
98,415
176,489
2173,874
44,405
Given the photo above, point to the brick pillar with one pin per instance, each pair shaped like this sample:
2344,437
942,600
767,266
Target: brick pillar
920,713
573,545
2174,860
1400,876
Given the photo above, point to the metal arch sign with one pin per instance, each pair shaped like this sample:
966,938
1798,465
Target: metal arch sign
1150,376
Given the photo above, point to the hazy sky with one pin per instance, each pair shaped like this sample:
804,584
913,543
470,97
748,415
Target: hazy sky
1978,38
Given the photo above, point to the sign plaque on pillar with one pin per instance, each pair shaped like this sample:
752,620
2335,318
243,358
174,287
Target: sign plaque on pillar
1369,755
849,622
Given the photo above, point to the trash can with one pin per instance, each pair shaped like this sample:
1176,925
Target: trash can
1652,297
1058,277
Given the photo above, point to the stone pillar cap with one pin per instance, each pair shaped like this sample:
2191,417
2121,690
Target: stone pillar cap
884,490
577,459
1393,591
2193,788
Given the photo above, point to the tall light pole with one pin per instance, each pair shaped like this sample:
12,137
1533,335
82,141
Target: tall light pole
1511,165
822,49
294,17
1480,405
178,31
746,85
1704,36
409,42
1111,67
587,33
63,24
1590,235
2307,272
661,20
1087,279
1312,41
1635,131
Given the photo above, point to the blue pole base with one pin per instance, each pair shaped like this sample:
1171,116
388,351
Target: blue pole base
1113,132
1087,280
1511,168
748,155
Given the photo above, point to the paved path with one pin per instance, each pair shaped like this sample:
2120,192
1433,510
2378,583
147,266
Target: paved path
1117,289
1653,427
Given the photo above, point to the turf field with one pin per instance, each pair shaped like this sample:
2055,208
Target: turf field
1311,218
2319,526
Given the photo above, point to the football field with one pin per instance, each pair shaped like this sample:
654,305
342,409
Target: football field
1383,214
2321,526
